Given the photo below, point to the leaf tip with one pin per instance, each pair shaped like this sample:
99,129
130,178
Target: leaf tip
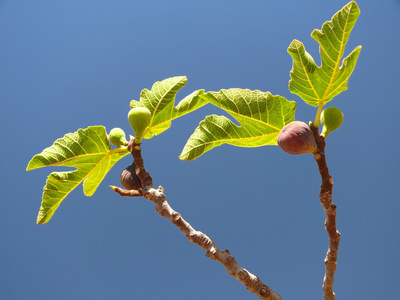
184,157
31,164
41,220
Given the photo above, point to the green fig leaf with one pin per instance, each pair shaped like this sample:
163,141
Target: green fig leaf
260,114
89,151
318,85
161,100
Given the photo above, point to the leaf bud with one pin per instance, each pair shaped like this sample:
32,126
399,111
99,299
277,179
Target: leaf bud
297,138
139,118
331,119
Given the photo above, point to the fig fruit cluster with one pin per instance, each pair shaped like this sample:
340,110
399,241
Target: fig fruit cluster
297,138
129,179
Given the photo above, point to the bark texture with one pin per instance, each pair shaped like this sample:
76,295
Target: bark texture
329,207
157,196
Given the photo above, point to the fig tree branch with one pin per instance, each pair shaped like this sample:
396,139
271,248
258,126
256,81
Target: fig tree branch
329,207
157,196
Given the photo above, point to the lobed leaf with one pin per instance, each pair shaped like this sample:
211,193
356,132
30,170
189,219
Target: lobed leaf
160,101
318,85
260,114
89,151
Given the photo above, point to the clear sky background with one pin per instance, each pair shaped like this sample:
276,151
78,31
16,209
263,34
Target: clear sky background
66,65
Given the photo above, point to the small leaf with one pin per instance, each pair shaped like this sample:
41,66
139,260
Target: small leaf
160,101
261,116
318,85
89,151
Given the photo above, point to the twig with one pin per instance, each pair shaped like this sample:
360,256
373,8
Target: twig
157,196
330,217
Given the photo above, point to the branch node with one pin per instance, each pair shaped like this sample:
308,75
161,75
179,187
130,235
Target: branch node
244,275
265,291
175,217
201,239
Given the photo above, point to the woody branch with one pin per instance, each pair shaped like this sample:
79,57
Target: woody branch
329,207
157,196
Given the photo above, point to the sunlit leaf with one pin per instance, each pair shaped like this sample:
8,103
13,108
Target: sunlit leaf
318,85
89,152
161,100
261,117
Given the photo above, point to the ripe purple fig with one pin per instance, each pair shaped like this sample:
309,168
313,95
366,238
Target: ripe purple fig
297,138
129,179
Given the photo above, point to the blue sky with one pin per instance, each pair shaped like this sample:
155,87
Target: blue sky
66,65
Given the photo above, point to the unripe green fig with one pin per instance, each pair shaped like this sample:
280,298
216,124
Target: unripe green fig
331,119
297,138
129,179
117,137
139,118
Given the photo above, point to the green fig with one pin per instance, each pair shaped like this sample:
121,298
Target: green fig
297,138
139,118
331,119
117,137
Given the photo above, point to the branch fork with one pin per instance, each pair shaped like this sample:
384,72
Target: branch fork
157,196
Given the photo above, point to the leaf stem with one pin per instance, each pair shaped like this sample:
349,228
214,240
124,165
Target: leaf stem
318,115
